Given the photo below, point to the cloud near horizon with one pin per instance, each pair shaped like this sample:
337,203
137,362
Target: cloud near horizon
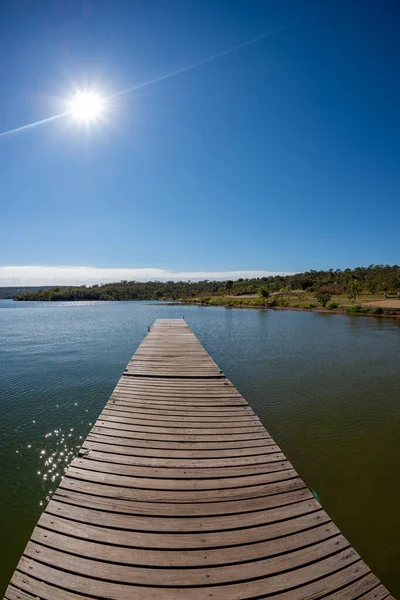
43,275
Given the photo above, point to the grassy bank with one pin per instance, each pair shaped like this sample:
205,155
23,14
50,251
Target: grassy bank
364,304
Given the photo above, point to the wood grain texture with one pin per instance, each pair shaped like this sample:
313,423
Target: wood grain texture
180,493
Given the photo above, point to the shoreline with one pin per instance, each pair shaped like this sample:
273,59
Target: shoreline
321,310
230,305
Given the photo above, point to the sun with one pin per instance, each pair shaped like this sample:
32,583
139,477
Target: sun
86,106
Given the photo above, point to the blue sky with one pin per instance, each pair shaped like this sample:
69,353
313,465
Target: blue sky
281,156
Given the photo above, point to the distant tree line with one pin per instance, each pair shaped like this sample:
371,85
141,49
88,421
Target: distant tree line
11,292
373,279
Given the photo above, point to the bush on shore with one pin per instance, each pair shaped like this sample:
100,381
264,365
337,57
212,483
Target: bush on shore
263,292
333,306
356,309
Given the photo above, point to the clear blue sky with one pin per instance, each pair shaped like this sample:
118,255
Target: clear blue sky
281,156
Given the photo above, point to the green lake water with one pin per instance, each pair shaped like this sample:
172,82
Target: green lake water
327,387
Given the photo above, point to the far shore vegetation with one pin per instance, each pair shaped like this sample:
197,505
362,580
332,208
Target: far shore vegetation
363,290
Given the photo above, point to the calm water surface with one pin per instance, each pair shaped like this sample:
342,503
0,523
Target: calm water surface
327,387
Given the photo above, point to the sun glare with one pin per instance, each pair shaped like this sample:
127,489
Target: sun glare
86,106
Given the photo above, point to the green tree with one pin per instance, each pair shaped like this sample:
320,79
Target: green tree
323,297
228,285
354,289
263,292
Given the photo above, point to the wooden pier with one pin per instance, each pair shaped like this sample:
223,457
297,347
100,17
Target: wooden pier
179,493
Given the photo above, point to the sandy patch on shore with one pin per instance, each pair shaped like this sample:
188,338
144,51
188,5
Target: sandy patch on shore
241,296
391,303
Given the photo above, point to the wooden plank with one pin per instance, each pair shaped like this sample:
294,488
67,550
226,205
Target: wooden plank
173,412
214,444
218,438
107,486
252,510
13,593
144,385
378,593
361,588
229,430
123,455
133,477
179,492
214,389
183,401
180,404
113,465
133,417
182,450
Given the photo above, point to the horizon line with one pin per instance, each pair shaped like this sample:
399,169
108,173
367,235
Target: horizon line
42,275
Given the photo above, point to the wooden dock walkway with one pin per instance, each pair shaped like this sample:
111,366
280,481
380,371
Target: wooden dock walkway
179,493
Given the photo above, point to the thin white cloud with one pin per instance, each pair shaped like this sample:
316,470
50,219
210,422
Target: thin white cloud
43,275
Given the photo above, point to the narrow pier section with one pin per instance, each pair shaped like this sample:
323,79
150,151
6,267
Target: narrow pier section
179,493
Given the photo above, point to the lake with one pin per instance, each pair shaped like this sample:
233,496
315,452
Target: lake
327,387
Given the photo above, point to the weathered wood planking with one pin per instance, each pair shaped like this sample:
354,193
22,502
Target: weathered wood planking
180,493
